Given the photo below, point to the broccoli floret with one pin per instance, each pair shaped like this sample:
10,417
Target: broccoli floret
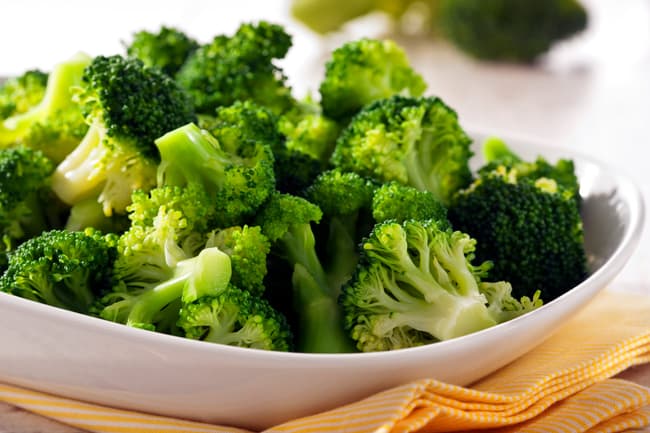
530,228
24,192
21,93
327,16
307,130
414,141
397,202
509,30
167,49
248,249
61,268
239,68
127,106
497,152
236,174
237,318
286,221
364,71
157,307
55,102
416,284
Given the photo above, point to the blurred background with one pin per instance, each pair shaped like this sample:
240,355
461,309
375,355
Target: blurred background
589,92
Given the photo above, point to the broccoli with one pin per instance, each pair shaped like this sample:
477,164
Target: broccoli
416,284
24,192
248,249
127,106
239,68
530,228
397,202
237,174
364,71
324,16
168,49
60,268
50,112
509,30
414,141
21,93
237,318
286,221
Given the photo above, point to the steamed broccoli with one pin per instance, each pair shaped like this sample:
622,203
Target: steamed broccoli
127,106
509,30
415,141
416,284
286,221
24,193
239,68
530,228
21,93
61,268
237,318
364,71
167,49
48,119
237,174
397,202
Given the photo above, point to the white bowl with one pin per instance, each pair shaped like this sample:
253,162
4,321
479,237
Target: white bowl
89,359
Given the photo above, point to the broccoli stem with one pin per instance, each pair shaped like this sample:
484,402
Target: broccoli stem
300,248
321,322
342,248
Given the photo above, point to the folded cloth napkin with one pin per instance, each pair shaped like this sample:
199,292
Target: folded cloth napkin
564,385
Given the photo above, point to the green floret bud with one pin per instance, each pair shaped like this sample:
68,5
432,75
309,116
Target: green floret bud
167,49
55,101
416,284
19,94
364,71
127,106
239,68
248,249
531,229
397,202
238,176
235,317
64,269
509,30
414,141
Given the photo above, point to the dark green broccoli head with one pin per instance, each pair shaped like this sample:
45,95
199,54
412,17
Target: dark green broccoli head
340,193
19,94
248,249
364,71
61,268
530,229
509,30
236,318
282,211
394,201
238,176
239,68
166,49
414,141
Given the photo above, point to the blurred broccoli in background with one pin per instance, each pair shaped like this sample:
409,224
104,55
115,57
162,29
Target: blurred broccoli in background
501,30
167,50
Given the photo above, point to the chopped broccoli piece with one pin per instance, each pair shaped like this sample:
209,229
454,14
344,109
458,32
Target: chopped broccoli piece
21,93
364,71
416,284
127,106
236,174
509,30
286,221
397,202
167,49
414,141
56,100
530,228
61,268
248,249
237,318
239,68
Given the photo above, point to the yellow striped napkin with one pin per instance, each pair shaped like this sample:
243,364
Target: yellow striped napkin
564,385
